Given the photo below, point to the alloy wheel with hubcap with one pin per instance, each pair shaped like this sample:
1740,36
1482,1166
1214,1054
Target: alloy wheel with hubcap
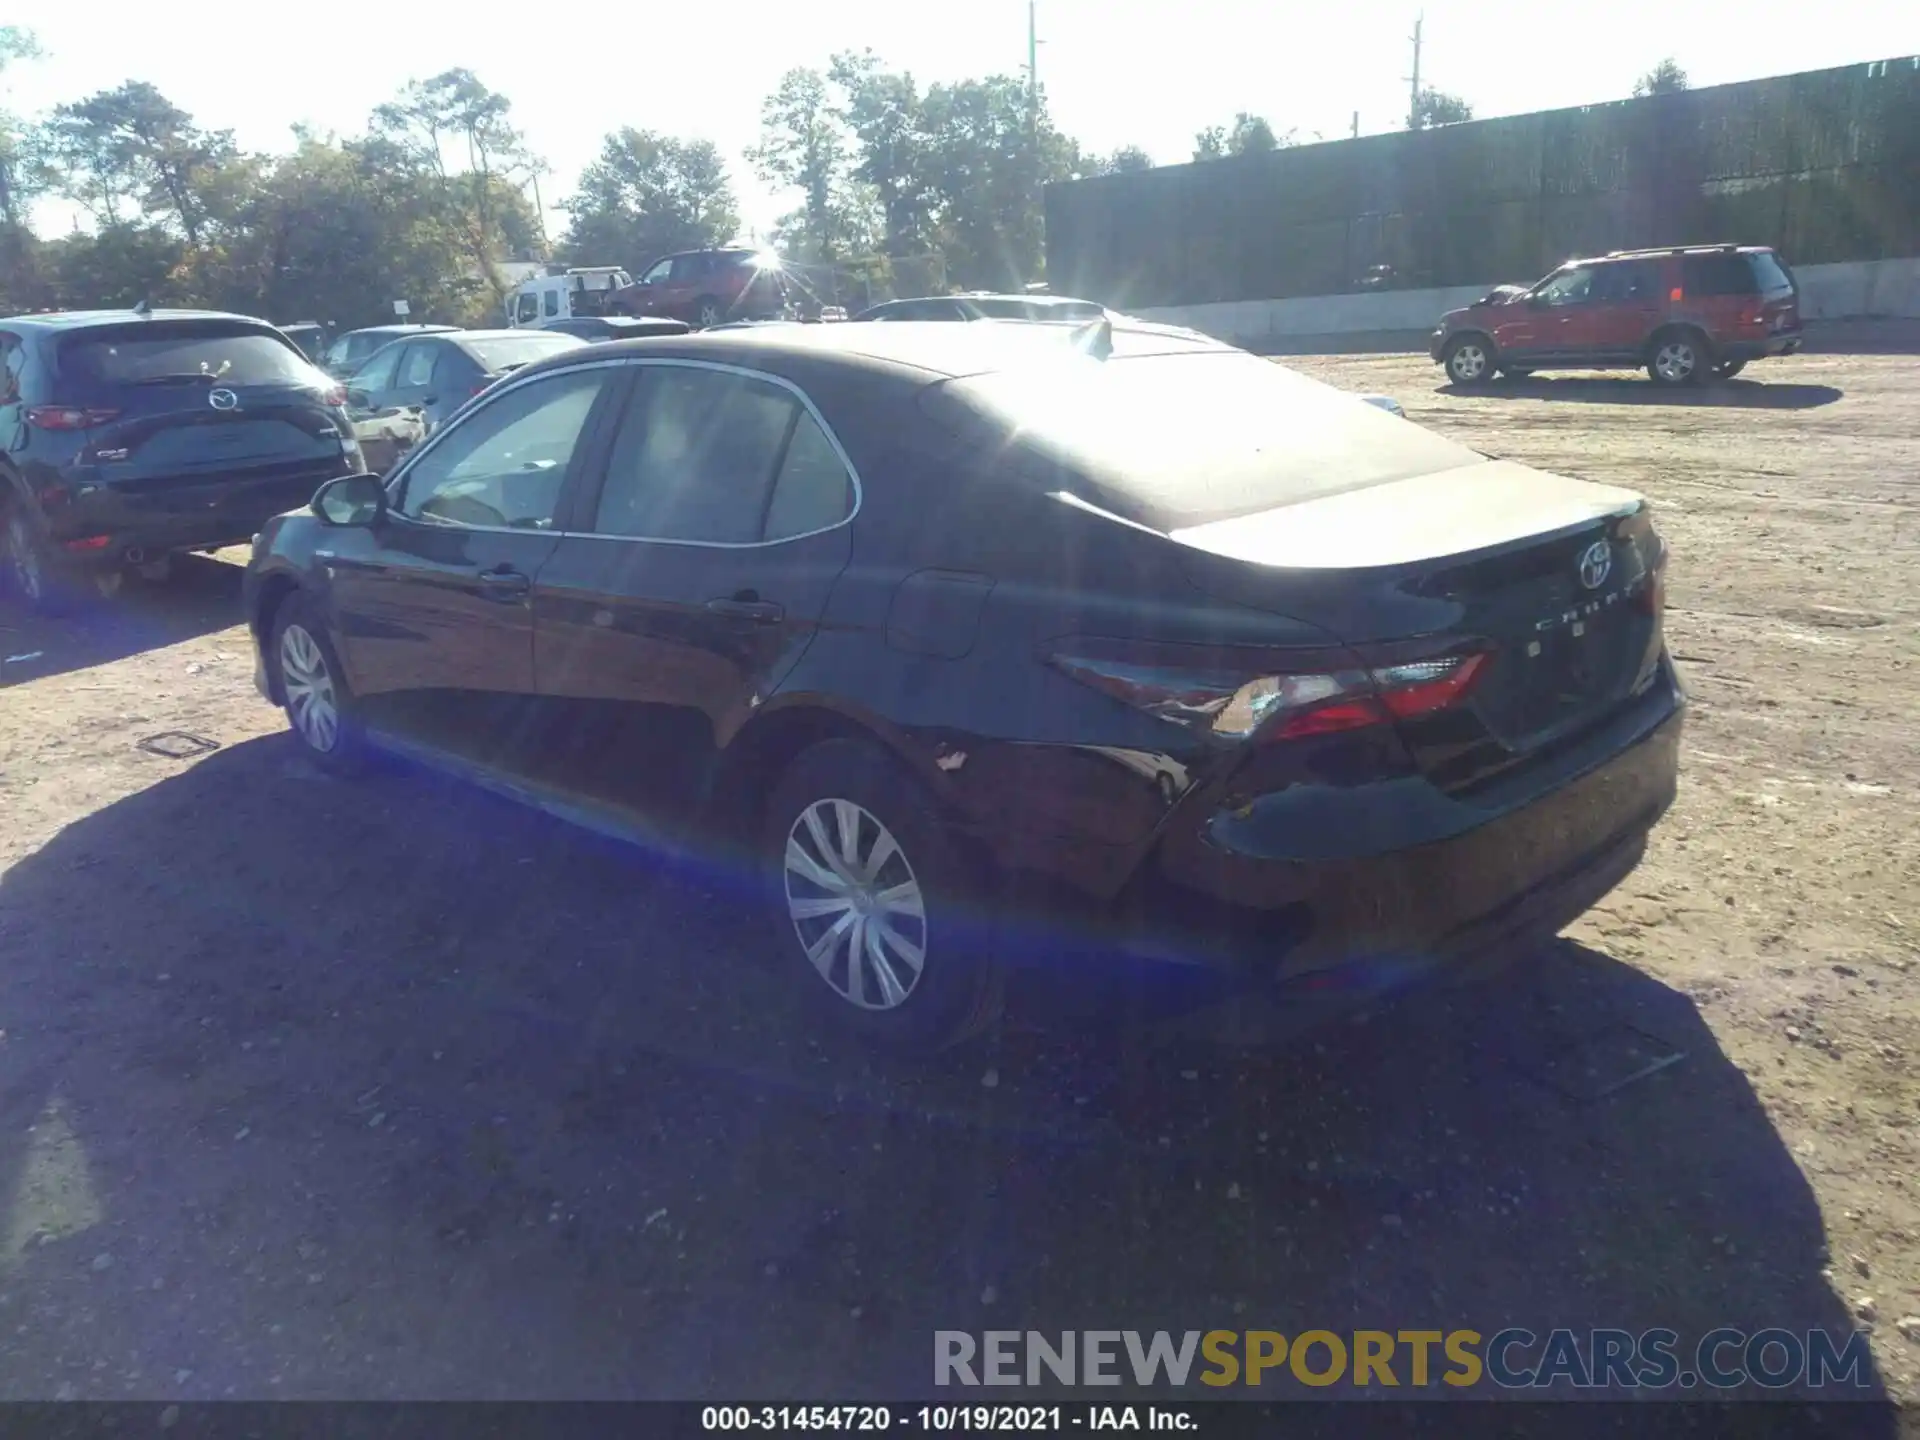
313,700
872,902
1468,363
856,904
708,315
1676,361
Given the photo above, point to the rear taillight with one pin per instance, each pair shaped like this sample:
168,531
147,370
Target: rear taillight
480,385
336,397
66,417
1281,707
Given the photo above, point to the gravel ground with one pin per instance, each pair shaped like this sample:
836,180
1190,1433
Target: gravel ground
389,1089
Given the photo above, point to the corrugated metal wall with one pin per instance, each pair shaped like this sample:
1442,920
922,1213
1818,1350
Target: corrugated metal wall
1825,166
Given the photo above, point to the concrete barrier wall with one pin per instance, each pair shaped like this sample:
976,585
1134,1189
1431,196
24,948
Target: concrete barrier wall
1857,289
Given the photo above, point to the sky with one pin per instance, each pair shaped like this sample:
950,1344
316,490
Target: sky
1116,72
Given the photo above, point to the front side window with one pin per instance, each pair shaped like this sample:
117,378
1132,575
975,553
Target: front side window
528,308
1569,287
721,458
658,274
505,463
377,374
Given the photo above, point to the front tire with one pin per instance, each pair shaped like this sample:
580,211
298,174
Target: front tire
313,689
868,900
1679,357
1469,360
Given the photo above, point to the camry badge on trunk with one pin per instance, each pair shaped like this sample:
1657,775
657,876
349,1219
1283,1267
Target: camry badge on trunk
227,400
1596,563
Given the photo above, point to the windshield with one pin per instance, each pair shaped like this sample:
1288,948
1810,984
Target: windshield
1176,440
509,351
160,352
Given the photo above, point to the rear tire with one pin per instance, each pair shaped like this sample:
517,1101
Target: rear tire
707,313
918,987
32,567
1679,357
313,689
1469,360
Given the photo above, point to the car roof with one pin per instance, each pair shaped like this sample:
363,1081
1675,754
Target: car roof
929,350
83,319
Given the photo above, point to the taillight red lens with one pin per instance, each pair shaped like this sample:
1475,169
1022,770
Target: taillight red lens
335,397
91,542
479,385
1282,707
67,417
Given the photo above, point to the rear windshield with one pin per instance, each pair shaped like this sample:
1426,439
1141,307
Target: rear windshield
510,351
94,362
1772,277
1174,440
1008,309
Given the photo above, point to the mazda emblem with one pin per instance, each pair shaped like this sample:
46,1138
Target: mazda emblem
1596,563
223,399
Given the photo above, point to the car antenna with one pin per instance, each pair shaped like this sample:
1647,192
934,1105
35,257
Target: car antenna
143,309
1095,338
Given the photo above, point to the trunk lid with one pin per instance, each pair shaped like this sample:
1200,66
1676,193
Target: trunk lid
1554,579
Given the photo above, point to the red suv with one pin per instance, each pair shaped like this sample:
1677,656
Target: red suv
708,287
1685,313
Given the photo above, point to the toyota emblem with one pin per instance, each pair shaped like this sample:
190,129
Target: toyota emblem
226,400
1596,563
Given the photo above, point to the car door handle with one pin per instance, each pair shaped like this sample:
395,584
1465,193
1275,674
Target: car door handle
504,585
762,612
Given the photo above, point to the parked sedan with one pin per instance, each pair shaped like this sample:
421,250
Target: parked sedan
440,373
350,351
917,614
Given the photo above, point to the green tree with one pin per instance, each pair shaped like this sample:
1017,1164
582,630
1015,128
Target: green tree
647,195
1666,78
1252,135
882,110
803,147
1210,143
458,135
21,177
982,164
1126,160
1436,107
131,149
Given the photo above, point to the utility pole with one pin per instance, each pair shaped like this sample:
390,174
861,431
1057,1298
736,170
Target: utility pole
1033,72
1413,106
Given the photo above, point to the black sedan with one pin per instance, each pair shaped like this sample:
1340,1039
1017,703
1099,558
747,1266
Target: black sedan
917,614
439,373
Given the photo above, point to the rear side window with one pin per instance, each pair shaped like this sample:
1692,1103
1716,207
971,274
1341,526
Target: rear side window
1717,275
550,302
1769,274
98,362
720,458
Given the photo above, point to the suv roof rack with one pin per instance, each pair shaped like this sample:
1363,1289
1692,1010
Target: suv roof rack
1723,248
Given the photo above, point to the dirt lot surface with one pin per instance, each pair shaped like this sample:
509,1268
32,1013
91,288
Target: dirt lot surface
386,1088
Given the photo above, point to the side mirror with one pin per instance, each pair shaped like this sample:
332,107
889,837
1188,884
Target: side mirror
351,500
359,400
